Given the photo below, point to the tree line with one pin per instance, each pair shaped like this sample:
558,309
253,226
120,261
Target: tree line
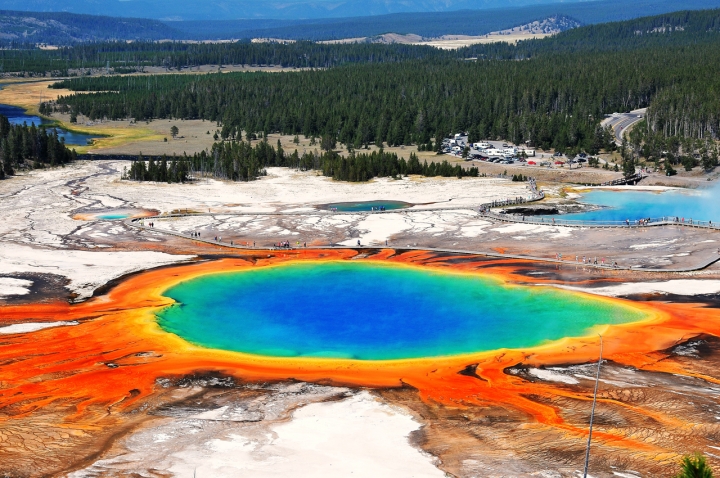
165,170
27,147
124,57
241,161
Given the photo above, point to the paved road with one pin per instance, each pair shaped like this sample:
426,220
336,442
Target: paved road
620,122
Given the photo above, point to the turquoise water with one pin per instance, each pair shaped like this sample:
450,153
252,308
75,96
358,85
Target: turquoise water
110,217
632,205
368,205
113,214
18,116
374,312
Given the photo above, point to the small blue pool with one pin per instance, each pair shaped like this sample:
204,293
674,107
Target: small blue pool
367,206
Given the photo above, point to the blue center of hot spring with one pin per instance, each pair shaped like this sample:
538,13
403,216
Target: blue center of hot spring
370,311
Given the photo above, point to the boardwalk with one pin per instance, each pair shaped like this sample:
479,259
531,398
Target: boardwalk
637,223
486,213
484,210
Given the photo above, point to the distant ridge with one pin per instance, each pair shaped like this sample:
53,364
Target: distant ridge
68,28
437,24
191,10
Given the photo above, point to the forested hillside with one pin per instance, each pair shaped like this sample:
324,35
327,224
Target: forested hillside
24,146
691,28
551,100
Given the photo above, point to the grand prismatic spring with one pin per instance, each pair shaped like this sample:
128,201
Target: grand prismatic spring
372,311
133,307
449,327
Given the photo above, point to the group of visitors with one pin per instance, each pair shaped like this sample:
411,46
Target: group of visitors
639,222
286,244
588,260
283,244
593,261
508,202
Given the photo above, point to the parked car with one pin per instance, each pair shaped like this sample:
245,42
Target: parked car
557,154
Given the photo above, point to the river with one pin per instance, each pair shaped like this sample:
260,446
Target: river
19,116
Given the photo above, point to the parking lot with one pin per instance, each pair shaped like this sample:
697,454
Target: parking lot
500,152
